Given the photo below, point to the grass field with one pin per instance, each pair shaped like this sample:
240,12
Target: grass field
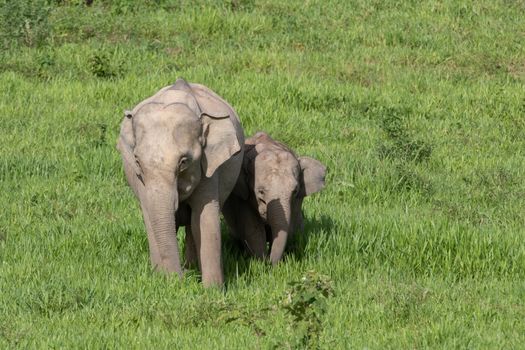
417,109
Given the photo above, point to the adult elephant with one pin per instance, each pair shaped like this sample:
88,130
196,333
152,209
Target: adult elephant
182,149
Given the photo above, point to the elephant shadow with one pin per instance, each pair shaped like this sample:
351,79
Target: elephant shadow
237,260
313,226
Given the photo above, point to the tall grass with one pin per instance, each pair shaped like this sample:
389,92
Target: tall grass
416,108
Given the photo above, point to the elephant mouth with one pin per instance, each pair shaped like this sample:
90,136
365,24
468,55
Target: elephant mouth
184,192
185,187
263,214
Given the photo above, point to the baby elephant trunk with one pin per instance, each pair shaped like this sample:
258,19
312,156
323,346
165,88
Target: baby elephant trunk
279,221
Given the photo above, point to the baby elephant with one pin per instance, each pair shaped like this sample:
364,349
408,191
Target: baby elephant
265,205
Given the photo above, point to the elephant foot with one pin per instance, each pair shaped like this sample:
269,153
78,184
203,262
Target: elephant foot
168,269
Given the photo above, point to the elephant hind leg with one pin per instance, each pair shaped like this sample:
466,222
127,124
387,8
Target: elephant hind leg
230,210
183,218
190,250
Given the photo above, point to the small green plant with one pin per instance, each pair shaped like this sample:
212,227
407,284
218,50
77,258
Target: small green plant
102,67
44,64
306,303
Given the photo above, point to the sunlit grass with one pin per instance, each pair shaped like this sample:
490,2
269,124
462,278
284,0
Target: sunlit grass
417,109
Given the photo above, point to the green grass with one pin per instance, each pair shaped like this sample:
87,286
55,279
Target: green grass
416,108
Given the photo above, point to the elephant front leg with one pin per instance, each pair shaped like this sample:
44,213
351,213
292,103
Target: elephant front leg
254,233
207,236
206,229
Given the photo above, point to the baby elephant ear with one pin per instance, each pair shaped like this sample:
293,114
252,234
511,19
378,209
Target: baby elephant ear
313,174
220,142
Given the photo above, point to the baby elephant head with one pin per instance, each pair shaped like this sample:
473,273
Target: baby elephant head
277,181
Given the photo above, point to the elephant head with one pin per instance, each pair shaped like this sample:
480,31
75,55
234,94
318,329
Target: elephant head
275,181
169,143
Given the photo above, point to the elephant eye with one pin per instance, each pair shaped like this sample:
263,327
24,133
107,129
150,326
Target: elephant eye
183,163
139,168
137,162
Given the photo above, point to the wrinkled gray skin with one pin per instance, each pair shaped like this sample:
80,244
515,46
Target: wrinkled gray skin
181,150
265,205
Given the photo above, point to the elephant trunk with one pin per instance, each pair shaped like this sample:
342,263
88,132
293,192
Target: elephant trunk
279,221
159,212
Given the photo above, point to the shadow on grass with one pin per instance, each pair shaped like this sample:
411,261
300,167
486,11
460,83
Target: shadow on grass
296,246
237,260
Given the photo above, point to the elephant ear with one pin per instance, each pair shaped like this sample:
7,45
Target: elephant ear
210,103
220,138
312,175
126,141
220,142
